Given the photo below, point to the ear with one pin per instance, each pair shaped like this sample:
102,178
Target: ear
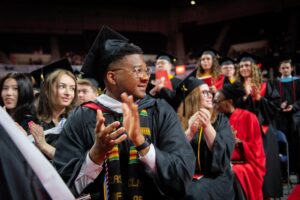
110,77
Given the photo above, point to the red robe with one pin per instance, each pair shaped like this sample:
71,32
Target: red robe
250,169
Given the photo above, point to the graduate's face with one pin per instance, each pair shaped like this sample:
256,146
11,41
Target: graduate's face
220,103
85,93
9,93
285,69
206,96
65,91
245,69
206,62
131,75
228,70
162,64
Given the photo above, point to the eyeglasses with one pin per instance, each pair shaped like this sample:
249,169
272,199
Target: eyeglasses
228,68
138,71
206,93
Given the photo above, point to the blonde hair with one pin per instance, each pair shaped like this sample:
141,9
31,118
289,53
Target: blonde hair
47,97
192,105
256,76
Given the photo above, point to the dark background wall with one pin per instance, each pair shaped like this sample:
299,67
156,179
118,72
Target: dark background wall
174,26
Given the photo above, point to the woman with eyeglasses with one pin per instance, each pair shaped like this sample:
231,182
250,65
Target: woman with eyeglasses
211,137
263,100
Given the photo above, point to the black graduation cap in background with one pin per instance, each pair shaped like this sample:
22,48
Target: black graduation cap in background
245,56
233,91
283,58
166,56
227,61
107,43
41,74
211,51
188,84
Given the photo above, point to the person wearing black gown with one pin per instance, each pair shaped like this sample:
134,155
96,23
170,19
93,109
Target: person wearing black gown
211,137
157,88
262,99
147,157
288,120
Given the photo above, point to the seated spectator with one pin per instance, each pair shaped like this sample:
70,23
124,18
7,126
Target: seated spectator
87,90
248,156
17,98
211,137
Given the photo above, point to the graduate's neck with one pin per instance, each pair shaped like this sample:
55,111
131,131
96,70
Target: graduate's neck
288,76
56,115
114,96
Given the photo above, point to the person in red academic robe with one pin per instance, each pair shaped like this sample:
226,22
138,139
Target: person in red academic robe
248,156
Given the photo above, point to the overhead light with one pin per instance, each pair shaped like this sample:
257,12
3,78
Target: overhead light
193,2
180,69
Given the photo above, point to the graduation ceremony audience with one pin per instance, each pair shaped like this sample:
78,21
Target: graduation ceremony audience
118,132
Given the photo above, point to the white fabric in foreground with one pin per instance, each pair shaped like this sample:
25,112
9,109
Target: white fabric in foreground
47,175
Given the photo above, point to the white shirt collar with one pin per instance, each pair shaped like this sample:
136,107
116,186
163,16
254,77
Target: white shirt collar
110,103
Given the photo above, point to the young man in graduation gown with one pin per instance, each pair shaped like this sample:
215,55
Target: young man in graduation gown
248,156
288,120
131,150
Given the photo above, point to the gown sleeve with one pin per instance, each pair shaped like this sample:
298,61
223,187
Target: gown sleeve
223,146
175,159
75,140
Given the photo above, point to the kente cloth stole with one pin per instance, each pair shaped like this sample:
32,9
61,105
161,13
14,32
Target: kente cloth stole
122,166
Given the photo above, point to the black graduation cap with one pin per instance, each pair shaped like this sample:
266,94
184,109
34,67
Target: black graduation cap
245,56
166,56
188,84
283,58
227,61
107,43
233,91
210,51
40,74
92,81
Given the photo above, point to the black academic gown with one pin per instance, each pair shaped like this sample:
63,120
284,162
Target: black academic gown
289,122
217,180
175,160
17,179
170,95
266,109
